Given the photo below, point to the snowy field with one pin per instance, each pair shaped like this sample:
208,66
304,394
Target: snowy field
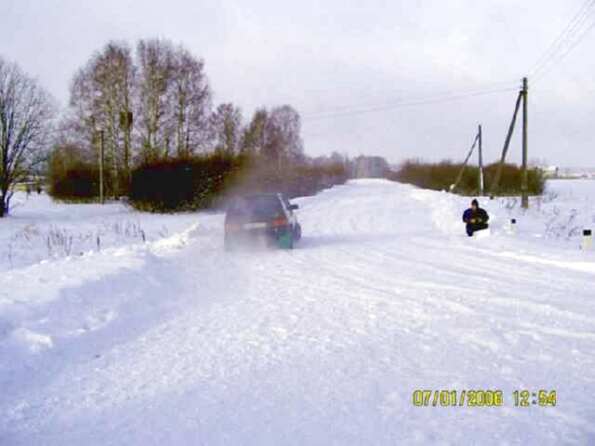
155,335
40,229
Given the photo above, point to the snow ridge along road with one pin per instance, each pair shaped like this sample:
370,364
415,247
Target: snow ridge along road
177,341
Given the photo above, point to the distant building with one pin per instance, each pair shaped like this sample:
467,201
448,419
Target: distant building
370,167
551,171
576,172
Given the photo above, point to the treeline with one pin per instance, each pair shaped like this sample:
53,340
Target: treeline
165,145
440,176
205,181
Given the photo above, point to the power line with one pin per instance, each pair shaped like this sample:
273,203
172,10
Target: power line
566,53
568,39
574,32
547,54
405,103
442,94
431,97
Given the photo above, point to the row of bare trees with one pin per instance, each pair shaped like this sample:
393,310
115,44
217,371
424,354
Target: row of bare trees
153,102
156,103
149,106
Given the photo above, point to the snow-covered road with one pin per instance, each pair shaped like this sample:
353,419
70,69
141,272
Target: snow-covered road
175,341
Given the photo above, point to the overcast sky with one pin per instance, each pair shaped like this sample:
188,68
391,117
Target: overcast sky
343,55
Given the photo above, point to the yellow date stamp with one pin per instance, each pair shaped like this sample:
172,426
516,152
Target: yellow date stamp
482,398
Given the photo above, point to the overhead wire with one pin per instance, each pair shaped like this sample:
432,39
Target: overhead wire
568,39
547,54
435,99
575,31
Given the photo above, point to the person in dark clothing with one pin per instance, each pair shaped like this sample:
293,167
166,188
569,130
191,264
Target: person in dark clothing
476,218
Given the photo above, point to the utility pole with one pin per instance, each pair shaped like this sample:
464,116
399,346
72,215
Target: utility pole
479,147
101,158
462,170
494,186
126,118
524,179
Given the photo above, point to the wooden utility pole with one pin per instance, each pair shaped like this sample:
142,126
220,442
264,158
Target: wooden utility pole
462,170
101,158
524,179
126,118
494,187
480,159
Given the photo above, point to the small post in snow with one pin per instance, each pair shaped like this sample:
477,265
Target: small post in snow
511,227
480,160
587,243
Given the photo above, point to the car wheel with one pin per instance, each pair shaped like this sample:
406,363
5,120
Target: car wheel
285,241
297,232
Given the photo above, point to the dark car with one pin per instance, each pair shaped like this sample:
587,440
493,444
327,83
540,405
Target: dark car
262,217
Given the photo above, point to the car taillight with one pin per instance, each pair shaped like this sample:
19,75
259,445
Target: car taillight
279,221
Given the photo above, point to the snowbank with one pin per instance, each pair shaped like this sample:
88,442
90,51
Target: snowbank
40,229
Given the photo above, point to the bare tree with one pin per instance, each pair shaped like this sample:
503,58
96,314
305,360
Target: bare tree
113,76
226,124
101,99
283,140
191,97
253,136
77,124
156,67
164,88
26,111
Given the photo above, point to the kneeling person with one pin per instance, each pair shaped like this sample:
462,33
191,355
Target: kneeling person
476,218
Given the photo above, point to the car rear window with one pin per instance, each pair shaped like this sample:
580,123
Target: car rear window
255,207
